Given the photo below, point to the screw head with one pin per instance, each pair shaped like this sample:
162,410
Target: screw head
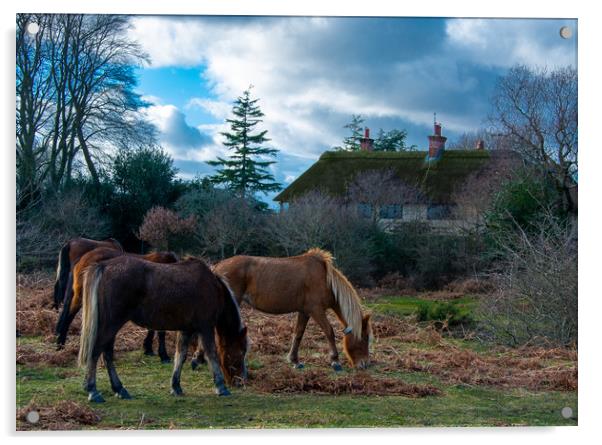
567,412
33,28
566,32
33,417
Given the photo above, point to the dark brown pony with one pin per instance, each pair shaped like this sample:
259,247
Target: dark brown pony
185,296
308,284
69,255
73,296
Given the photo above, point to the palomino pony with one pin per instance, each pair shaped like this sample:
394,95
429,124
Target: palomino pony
308,284
69,255
185,296
73,296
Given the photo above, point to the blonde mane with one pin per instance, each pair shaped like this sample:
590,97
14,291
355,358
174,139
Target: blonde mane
343,291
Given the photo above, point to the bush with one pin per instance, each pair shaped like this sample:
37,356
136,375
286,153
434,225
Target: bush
44,228
164,229
441,312
320,220
537,280
141,179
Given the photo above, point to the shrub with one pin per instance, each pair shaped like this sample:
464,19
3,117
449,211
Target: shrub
537,280
43,229
165,229
440,312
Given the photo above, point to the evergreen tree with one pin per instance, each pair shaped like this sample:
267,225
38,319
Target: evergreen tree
352,142
393,140
245,170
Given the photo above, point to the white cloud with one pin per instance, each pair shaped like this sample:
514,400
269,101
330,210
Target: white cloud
503,42
311,74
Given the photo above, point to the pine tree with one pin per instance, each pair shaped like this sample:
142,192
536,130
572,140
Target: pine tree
352,142
245,170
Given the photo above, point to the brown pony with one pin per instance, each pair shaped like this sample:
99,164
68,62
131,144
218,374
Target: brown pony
185,296
308,284
69,255
73,295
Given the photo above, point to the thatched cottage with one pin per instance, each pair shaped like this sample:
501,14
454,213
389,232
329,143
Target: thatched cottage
438,173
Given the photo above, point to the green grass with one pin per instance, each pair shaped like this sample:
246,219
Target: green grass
403,306
153,407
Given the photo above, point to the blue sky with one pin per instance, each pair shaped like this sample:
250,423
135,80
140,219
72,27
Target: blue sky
312,73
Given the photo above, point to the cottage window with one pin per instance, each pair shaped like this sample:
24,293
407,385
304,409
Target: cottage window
391,211
365,210
435,212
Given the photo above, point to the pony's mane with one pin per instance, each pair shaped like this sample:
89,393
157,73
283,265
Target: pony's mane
229,319
320,253
195,259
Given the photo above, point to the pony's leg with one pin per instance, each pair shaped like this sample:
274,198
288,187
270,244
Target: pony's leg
163,355
181,351
208,339
90,380
322,320
293,355
198,357
148,342
116,384
65,319
62,334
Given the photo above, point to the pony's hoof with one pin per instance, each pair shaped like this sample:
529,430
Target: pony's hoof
151,353
194,365
166,360
298,366
123,394
336,366
223,391
177,392
59,346
95,397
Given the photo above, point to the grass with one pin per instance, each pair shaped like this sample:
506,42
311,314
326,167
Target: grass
408,353
153,407
403,306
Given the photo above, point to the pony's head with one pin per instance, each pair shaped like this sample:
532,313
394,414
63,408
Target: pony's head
232,351
358,350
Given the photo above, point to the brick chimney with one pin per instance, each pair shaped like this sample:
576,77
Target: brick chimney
366,144
436,143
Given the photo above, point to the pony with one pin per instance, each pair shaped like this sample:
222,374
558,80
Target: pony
73,296
185,296
308,284
69,255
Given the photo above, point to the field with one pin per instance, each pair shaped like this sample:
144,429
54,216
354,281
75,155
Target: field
421,375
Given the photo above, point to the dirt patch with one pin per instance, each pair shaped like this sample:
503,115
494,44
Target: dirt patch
290,381
471,286
65,415
530,369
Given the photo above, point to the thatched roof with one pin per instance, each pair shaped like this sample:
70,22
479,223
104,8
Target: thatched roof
437,179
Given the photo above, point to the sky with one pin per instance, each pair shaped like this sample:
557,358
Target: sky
312,73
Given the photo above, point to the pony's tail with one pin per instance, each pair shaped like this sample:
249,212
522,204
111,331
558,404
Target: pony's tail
89,330
62,275
347,299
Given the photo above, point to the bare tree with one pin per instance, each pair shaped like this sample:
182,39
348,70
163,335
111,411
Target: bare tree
75,96
537,110
379,188
537,282
476,194
230,225
308,222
